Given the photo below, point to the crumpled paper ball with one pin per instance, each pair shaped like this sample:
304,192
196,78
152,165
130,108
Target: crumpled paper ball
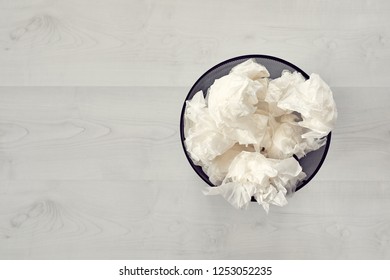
313,99
204,140
252,174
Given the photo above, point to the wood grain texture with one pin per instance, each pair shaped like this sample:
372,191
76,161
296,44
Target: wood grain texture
171,219
169,43
99,173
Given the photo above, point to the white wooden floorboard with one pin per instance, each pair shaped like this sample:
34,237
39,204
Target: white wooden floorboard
171,43
151,219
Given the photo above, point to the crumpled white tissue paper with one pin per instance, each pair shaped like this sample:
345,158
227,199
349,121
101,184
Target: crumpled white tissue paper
313,99
252,174
231,97
204,140
246,131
